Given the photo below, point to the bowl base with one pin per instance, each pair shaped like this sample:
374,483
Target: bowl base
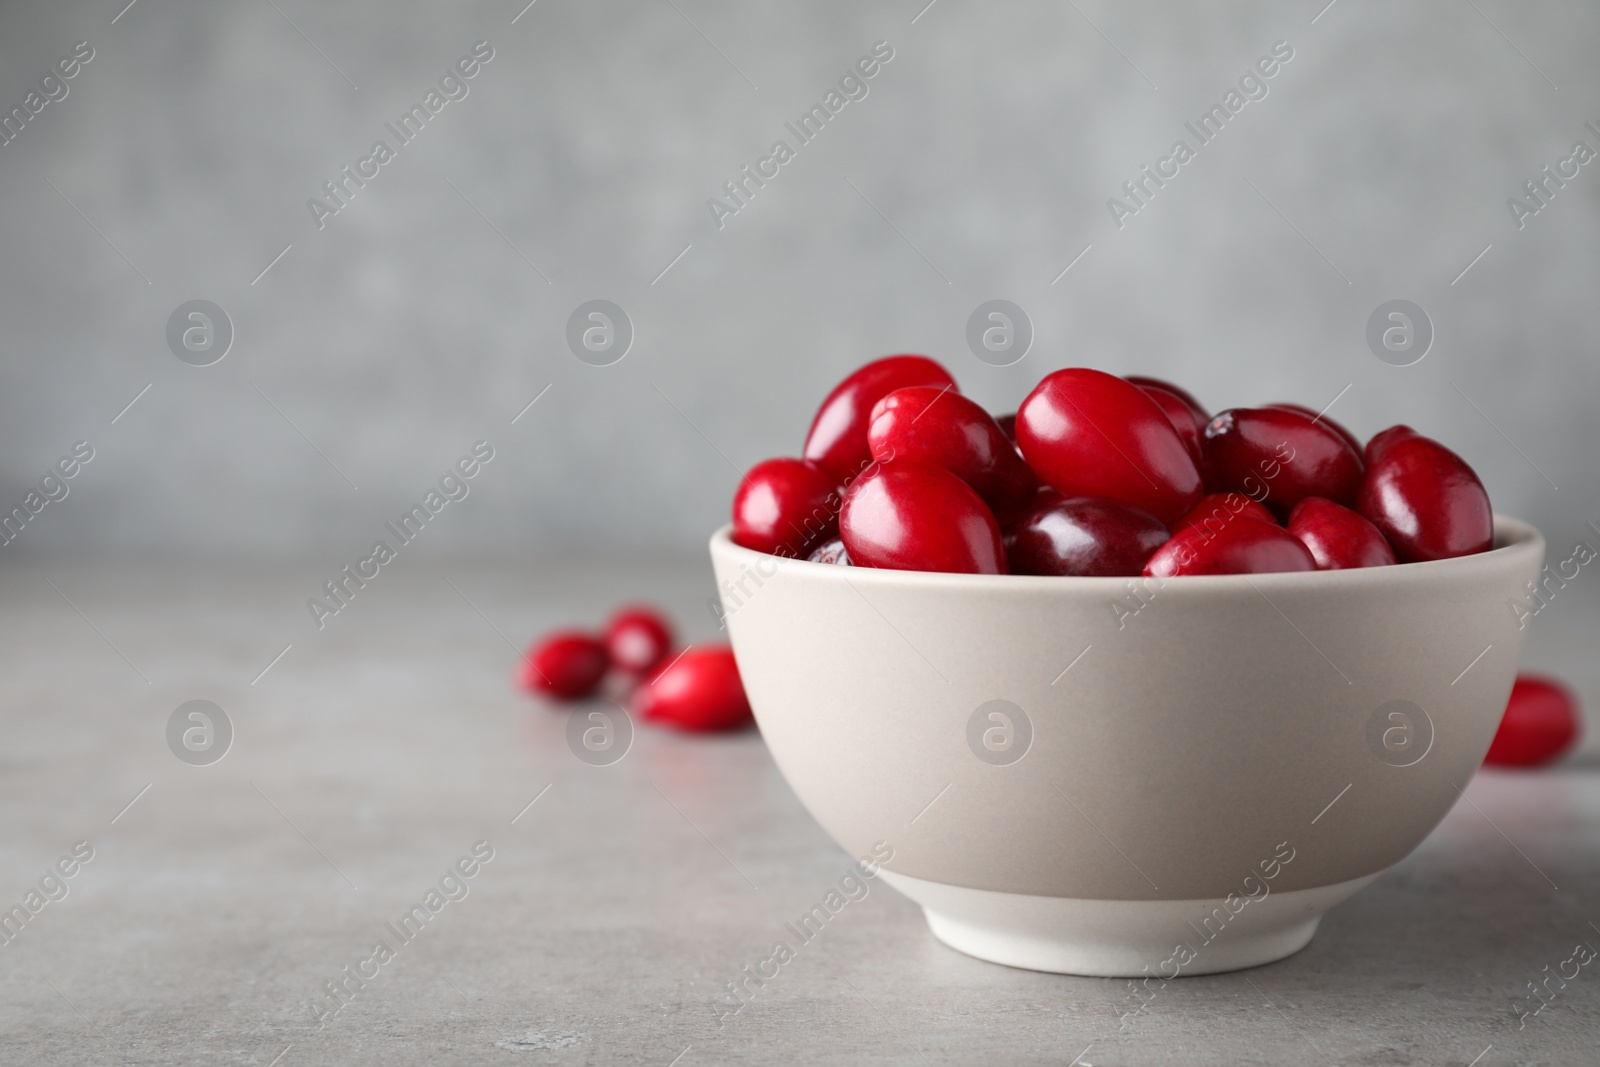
1123,938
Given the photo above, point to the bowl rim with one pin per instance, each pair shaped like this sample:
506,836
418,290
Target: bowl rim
1514,541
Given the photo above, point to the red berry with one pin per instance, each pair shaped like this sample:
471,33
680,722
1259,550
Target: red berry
1008,426
637,638
784,506
700,690
1337,537
914,516
1280,457
1199,409
1245,547
1383,439
830,552
566,665
942,427
1424,498
1086,535
838,437
1541,722
1216,510
1189,423
1351,439
1088,433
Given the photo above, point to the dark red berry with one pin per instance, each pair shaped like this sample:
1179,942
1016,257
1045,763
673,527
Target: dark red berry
1085,535
1383,439
1351,439
1424,498
1201,415
1280,457
1337,537
1190,424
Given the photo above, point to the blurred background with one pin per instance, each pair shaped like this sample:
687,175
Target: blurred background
427,313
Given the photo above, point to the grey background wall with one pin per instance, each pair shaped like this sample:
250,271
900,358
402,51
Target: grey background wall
426,314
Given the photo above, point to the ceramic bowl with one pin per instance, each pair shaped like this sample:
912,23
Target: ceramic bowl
1110,776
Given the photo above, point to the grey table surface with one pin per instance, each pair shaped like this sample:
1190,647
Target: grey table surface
221,900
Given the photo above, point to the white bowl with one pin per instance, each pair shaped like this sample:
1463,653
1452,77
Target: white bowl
1111,776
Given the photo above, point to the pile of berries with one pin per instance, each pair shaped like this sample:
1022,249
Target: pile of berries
1093,475
695,689
1100,475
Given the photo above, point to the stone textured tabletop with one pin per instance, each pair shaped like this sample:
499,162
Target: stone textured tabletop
379,758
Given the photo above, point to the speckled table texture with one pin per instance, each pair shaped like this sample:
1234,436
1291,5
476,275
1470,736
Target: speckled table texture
375,756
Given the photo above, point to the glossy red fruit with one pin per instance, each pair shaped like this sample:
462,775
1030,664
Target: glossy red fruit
1337,537
1350,439
637,638
1245,547
1541,722
1216,510
1383,439
1008,426
785,506
1086,535
915,516
1088,433
830,552
1201,415
1280,457
700,690
838,437
942,427
1189,423
566,665
1424,498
